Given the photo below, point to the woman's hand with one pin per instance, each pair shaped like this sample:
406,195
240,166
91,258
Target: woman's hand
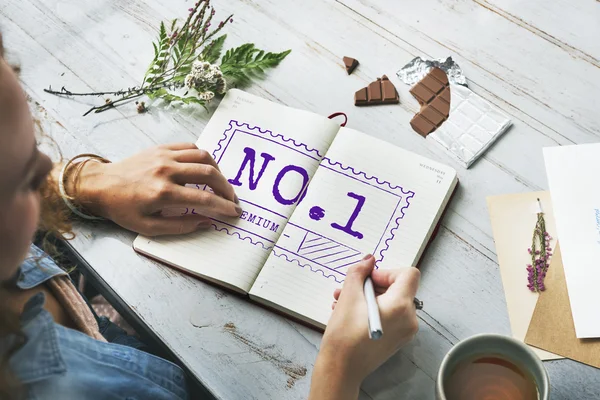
347,355
135,192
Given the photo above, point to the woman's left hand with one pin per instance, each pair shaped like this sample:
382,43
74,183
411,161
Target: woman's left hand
135,192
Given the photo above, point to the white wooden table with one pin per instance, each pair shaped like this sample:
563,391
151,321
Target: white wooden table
537,60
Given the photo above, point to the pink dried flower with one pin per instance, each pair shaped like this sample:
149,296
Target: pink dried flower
540,252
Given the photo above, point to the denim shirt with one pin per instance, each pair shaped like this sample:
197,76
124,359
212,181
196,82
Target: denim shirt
61,363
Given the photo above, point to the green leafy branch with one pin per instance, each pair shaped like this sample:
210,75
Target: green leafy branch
185,67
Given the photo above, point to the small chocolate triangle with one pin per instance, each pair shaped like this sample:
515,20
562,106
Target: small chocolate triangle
351,64
381,91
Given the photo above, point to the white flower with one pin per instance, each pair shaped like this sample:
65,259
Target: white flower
189,81
206,96
205,78
220,85
199,66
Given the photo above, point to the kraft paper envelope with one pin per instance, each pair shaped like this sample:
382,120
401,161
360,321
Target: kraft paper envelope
552,326
513,219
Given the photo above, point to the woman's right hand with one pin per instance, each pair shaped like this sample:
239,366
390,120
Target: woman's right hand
347,355
137,192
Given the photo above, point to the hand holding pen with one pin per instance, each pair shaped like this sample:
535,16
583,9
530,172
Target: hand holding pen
375,327
346,339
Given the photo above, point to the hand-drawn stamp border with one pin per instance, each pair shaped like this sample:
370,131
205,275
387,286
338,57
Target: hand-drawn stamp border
264,134
404,196
325,274
229,133
336,166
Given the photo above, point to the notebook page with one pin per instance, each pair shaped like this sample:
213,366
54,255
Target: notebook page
268,152
366,197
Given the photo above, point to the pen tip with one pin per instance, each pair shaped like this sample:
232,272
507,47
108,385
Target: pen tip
376,335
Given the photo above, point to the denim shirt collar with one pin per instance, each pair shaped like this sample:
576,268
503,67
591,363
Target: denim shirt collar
39,357
37,268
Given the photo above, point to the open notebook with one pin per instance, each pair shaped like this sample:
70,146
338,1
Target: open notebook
316,199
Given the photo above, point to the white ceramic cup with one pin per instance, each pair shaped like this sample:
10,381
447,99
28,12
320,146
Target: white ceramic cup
493,344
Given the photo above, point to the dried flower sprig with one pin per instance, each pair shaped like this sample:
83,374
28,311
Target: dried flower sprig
540,252
184,68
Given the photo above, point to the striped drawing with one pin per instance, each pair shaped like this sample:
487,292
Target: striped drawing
328,253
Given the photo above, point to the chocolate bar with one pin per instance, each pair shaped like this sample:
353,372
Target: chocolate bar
474,124
433,94
351,64
382,91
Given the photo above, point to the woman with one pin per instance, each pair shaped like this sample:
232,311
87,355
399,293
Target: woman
50,343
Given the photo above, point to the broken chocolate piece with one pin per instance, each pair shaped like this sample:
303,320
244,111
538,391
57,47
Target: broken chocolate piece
433,94
382,91
351,64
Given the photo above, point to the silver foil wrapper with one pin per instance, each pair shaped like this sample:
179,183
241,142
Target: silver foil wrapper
416,70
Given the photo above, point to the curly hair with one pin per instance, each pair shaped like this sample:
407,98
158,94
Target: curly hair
54,215
54,220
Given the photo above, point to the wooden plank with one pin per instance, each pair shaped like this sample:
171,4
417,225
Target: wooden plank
577,34
264,350
516,160
148,129
492,48
99,45
395,130
109,269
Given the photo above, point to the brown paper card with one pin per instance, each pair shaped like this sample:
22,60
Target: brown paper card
552,326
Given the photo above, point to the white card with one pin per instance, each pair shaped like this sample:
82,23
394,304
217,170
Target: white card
573,180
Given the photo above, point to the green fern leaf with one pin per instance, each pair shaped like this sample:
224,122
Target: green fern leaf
153,63
176,54
241,64
163,31
212,52
161,60
173,98
181,41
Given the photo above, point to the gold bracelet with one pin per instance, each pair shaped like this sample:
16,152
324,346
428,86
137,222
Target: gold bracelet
61,183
